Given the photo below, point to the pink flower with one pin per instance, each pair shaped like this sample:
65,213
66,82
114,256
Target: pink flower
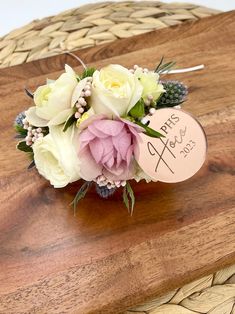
107,148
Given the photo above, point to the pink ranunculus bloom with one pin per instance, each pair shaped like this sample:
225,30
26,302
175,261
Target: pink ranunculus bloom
107,148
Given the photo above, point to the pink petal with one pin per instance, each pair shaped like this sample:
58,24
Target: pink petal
129,154
93,129
86,136
89,169
110,162
109,127
97,150
118,159
88,121
138,128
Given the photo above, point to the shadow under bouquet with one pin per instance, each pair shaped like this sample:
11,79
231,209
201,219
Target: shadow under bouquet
87,126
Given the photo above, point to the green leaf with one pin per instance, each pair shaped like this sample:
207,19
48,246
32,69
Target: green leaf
19,129
31,165
159,64
28,93
164,66
23,147
69,122
88,72
138,110
129,197
81,194
149,131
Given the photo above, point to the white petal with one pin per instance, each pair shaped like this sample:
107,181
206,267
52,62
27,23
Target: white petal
69,70
61,117
33,119
77,91
67,146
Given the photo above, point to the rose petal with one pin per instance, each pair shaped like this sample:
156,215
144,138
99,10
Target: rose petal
61,117
77,91
89,169
109,127
98,133
97,150
129,154
92,118
34,119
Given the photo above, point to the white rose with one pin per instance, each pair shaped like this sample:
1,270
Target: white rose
54,101
55,156
150,84
114,91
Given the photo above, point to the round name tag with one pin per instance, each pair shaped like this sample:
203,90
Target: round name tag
179,154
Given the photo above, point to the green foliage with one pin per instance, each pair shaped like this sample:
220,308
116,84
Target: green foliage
138,110
162,67
32,164
128,197
149,131
81,194
69,122
24,148
28,93
88,72
19,129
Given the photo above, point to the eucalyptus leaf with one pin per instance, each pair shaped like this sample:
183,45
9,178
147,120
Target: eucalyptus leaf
138,110
24,148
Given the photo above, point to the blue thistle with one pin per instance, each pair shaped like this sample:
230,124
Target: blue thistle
175,94
19,119
104,192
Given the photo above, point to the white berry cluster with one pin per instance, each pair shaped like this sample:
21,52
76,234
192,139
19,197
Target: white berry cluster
102,181
32,133
135,67
81,103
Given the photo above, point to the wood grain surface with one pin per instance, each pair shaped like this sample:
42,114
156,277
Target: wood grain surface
102,260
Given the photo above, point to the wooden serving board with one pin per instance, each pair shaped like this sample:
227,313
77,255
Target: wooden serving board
103,260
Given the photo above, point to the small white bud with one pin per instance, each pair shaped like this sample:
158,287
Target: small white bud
77,115
147,102
144,120
152,111
88,93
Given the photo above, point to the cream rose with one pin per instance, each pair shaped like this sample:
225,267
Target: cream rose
114,91
54,101
55,156
150,84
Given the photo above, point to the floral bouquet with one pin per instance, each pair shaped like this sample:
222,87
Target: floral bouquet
86,126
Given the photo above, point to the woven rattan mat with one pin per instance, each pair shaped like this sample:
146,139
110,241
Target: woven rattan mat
91,25
213,294
95,24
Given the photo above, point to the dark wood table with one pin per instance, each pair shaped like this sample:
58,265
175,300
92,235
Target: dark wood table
103,260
